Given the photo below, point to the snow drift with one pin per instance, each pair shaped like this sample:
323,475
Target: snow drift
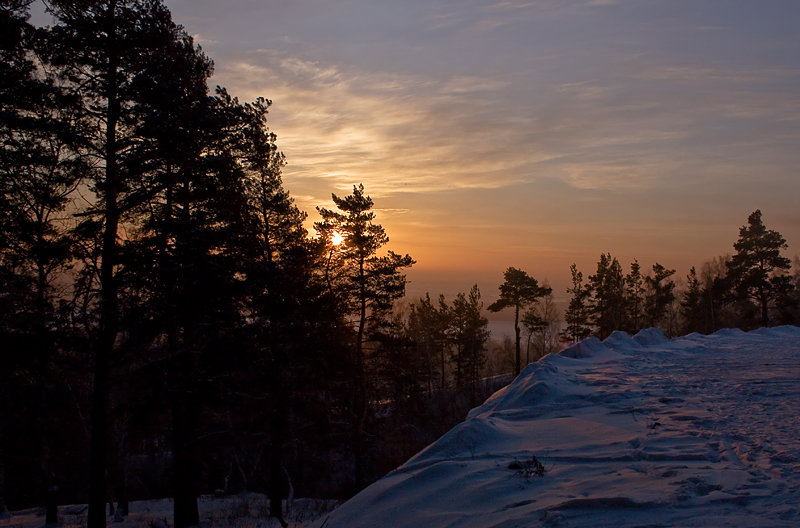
641,430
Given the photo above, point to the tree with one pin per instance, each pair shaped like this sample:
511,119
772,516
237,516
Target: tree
38,173
16,74
427,327
366,282
577,314
108,52
517,291
754,269
692,304
717,297
635,298
660,294
607,306
542,320
403,366
533,324
787,290
285,298
468,334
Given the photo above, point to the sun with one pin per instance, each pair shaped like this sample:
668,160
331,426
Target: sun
336,238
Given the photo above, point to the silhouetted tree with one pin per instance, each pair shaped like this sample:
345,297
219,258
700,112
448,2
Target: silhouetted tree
576,316
717,298
541,319
533,324
692,304
286,297
109,52
635,299
660,294
753,269
38,172
402,368
368,283
607,307
468,333
517,291
427,327
787,296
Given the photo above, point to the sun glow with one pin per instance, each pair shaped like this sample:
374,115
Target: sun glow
336,238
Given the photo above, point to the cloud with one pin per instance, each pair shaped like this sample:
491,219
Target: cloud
602,2
399,133
392,132
203,40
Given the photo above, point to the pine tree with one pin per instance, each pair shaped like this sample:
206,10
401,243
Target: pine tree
402,365
541,319
692,304
427,327
517,291
38,173
660,294
577,314
285,296
607,307
109,52
787,300
366,282
754,269
717,296
635,299
468,334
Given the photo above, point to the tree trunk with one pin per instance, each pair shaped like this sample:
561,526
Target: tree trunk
184,481
4,513
443,363
277,424
277,428
184,475
108,295
121,466
517,366
51,505
4,423
361,403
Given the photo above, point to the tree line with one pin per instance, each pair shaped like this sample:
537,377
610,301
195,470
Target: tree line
162,304
169,326
753,287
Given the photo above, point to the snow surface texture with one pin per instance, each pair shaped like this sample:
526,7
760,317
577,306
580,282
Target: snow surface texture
633,431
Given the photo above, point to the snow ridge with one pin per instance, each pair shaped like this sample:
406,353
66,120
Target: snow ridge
633,430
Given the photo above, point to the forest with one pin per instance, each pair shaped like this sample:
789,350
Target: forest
170,327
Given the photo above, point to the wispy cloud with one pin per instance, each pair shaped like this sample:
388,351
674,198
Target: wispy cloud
399,132
387,130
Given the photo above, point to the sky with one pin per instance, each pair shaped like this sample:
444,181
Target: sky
527,133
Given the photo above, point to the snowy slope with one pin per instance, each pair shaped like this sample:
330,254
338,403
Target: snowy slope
633,431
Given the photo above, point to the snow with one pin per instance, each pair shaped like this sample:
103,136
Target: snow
245,510
633,431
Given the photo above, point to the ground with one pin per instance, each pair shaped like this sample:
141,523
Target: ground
633,431
247,510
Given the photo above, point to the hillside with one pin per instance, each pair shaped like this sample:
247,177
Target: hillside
632,431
